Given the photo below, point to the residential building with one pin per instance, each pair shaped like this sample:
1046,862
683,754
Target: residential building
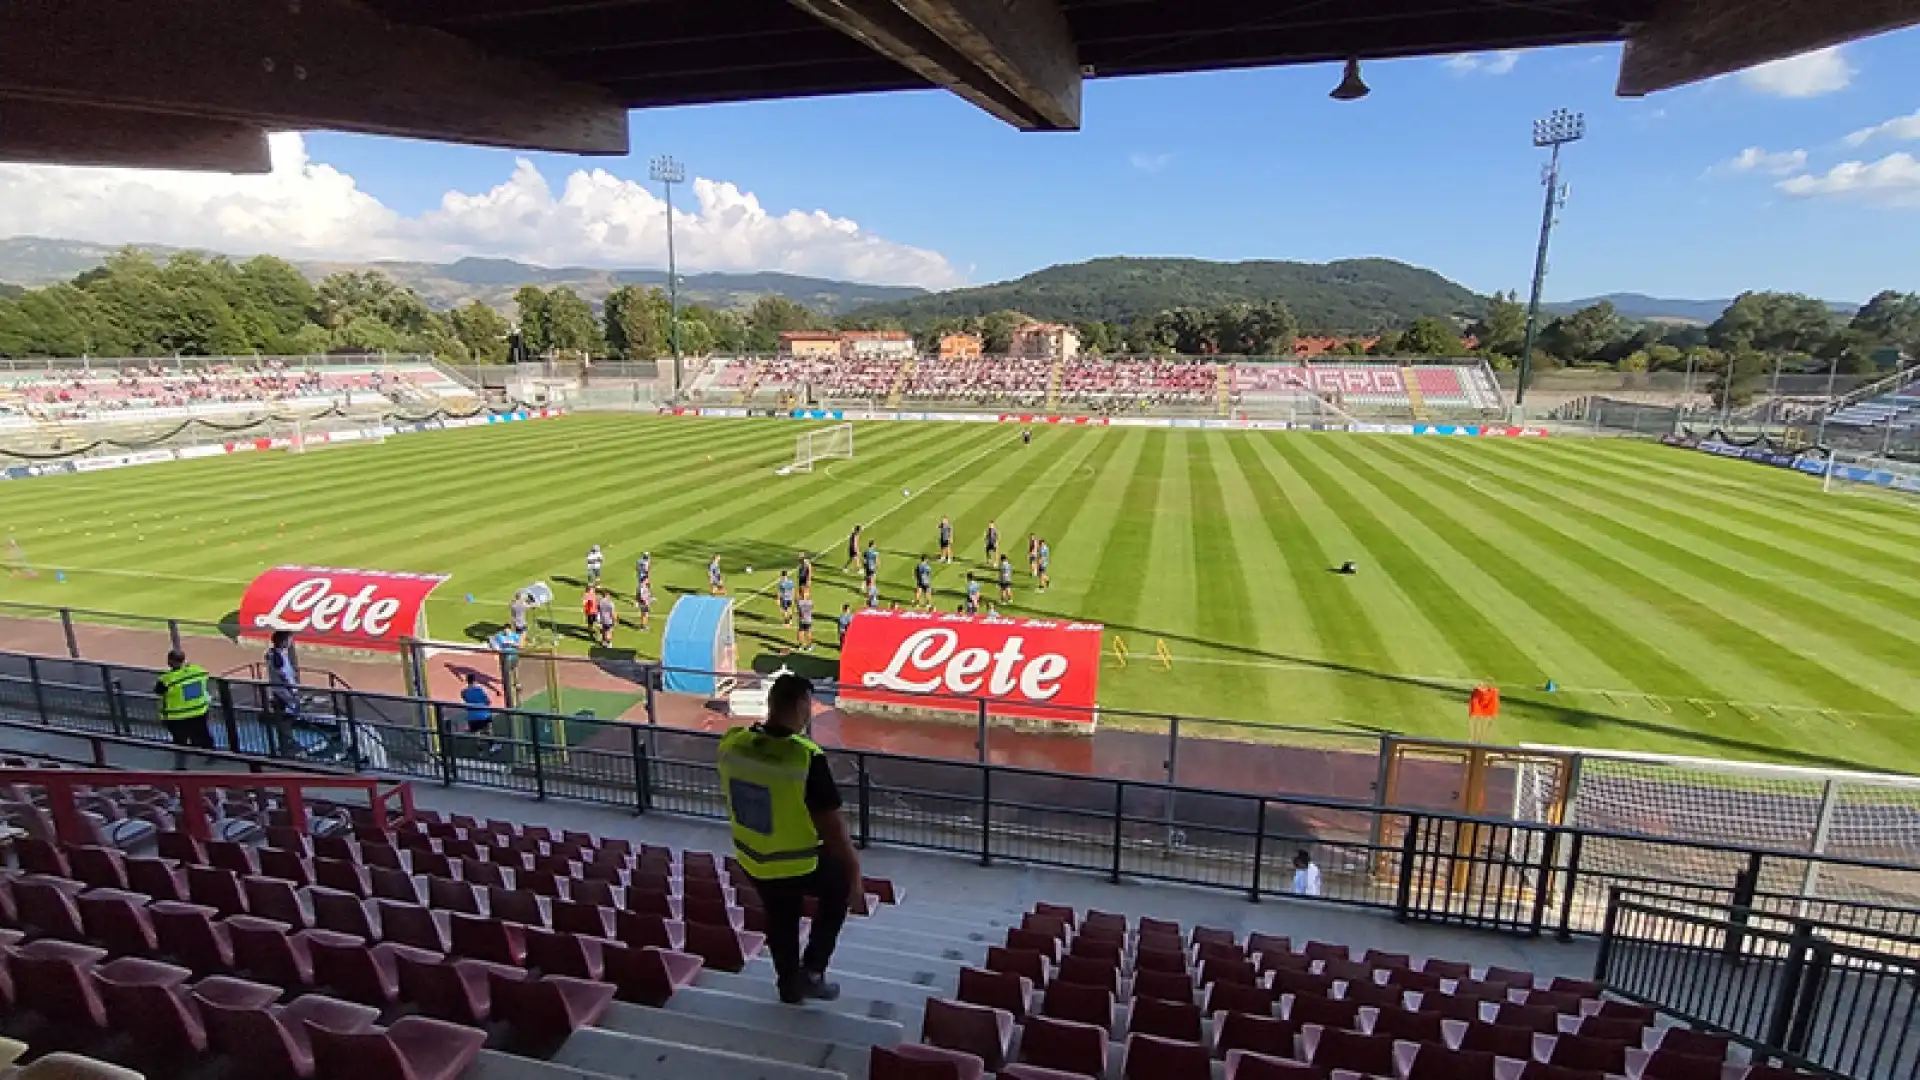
960,346
810,344
1045,341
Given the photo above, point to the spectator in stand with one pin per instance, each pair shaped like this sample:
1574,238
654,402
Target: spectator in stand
1306,876
283,695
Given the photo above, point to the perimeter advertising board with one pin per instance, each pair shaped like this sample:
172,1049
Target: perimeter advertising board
1039,669
360,609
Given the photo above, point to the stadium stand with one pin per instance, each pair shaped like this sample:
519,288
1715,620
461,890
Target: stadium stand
1113,386
1899,410
134,393
446,944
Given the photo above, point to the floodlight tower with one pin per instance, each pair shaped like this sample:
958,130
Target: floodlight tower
667,171
1557,130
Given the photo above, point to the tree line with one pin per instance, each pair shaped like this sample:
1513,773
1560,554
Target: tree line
194,304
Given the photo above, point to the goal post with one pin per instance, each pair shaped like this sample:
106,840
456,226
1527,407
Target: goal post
1853,474
820,444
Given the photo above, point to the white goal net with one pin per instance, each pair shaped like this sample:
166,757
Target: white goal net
1866,474
823,444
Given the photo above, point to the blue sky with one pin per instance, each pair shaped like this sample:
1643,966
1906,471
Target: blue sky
1749,181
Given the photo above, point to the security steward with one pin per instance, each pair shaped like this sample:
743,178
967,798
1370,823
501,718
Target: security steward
185,696
790,837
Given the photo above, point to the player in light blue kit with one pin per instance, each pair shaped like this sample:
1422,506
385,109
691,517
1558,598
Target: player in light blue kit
1046,556
973,594
923,583
1006,580
785,589
716,584
870,558
946,539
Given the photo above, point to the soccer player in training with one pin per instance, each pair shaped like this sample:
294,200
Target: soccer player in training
803,629
946,539
1046,554
608,618
1026,436
853,548
643,600
993,540
873,594
923,583
846,622
1033,554
643,567
595,563
590,613
716,584
804,575
973,594
1006,580
871,559
785,589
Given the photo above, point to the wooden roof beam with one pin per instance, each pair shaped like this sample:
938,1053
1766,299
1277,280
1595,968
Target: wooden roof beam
1688,41
52,133
1014,58
295,64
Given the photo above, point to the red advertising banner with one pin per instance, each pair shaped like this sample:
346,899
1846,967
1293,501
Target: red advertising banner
1032,668
1037,418
362,609
1514,432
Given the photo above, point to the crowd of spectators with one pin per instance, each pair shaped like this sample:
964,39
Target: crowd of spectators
1012,381
1143,383
85,394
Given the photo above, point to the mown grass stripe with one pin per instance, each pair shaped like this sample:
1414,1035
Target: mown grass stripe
1734,639
1757,570
1226,598
1128,551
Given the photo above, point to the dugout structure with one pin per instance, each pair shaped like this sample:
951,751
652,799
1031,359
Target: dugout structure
697,649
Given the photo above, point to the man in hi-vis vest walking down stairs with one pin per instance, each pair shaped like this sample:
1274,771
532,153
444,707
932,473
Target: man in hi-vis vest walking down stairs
789,836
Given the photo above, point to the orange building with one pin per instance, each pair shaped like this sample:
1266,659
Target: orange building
960,346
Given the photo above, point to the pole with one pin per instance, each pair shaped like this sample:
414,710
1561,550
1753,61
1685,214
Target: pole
667,171
1686,398
1833,372
1539,279
1773,396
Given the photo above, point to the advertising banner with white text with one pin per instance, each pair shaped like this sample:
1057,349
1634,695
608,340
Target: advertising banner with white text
1031,668
361,609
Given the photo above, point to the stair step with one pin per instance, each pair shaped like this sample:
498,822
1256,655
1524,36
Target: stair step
630,1057
860,995
746,1038
494,1065
764,1011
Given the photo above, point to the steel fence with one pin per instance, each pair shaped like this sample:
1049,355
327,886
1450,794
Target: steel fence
1808,992
1419,865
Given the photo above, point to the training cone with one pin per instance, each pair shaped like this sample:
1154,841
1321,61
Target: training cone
469,598
59,575
1552,687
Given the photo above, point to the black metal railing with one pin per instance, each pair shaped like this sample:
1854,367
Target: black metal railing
1806,992
1420,865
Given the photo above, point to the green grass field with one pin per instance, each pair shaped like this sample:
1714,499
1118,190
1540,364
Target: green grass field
1681,603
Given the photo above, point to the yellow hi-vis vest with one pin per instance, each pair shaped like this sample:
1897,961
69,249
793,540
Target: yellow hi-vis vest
183,693
765,780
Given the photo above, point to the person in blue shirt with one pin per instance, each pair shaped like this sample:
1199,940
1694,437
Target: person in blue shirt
846,621
479,706
1046,555
873,594
642,570
946,539
871,558
1006,580
785,590
923,583
716,584
507,644
993,540
973,594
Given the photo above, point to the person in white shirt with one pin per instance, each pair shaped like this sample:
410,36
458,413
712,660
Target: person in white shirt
1306,876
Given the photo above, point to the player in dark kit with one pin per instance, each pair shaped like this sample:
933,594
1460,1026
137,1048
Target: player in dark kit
804,576
853,547
1033,554
1026,436
993,540
1006,580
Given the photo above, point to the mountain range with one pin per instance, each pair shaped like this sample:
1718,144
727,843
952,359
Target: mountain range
35,261
1348,295
1657,309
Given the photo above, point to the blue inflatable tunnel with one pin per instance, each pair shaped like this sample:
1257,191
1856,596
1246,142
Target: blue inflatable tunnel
697,647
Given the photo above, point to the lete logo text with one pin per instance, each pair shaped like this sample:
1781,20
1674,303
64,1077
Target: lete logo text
368,609
1025,668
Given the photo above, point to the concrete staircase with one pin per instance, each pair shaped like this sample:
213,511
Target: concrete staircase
731,1026
753,382
1224,382
1054,379
1416,401
902,377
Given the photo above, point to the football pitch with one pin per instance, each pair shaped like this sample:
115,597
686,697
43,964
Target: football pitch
1678,603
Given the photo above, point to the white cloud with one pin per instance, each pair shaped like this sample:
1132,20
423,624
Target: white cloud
1755,159
309,209
1822,71
1900,128
1149,162
1894,180
1493,63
